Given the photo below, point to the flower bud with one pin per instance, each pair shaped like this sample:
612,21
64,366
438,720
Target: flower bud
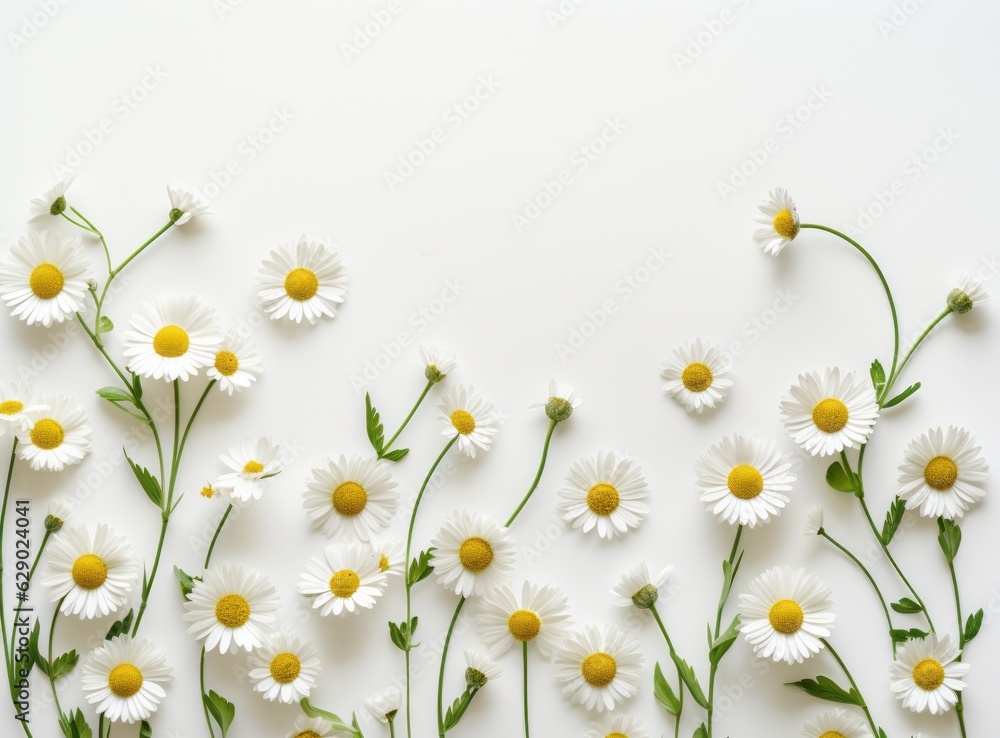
646,597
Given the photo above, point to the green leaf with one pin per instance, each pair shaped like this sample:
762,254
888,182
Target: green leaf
332,718
420,567
901,635
120,626
687,675
145,730
62,665
373,426
878,376
397,637
150,484
357,728
972,625
222,710
105,325
664,694
114,394
902,395
396,454
75,725
950,538
906,606
457,709
35,657
136,386
825,688
724,642
700,732
729,572
840,479
892,520
185,580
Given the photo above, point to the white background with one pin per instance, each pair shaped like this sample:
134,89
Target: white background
891,82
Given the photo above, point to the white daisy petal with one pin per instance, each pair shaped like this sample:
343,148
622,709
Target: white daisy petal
697,376
346,580
967,294
826,413
306,727
354,497
778,222
237,364
123,678
438,362
54,434
484,668
604,491
469,418
172,337
926,677
53,200
540,615
185,205
600,668
231,608
305,280
836,723
636,588
383,706
617,726
253,462
943,473
20,405
474,554
283,669
45,278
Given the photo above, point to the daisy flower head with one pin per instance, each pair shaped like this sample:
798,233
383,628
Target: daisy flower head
185,205
305,280
561,402
284,669
814,521
354,497
697,376
469,418
388,554
346,580
824,414
53,200
438,362
253,462
969,293
55,435
541,614
744,480
306,727
237,364
786,615
58,513
600,667
617,727
480,668
230,608
45,279
474,553
91,572
383,706
836,723
604,491
943,473
19,403
636,588
124,679
778,221
926,677
172,337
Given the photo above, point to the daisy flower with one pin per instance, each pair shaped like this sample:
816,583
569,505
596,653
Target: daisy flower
600,667
18,404
604,491
306,727
347,579
53,200
943,473
230,607
561,402
480,668
617,727
438,362
925,675
779,221
353,497
56,435
185,205
786,615
836,723
826,414
969,293
45,278
91,572
470,418
636,588
58,513
388,554
697,376
383,706
306,280
123,678
252,463
474,553
744,480
814,521
172,338
541,614
237,364
284,669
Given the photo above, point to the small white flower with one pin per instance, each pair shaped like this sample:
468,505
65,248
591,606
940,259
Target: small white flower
697,376
836,723
617,727
438,362
19,403
779,221
480,668
814,521
943,473
172,338
58,513
383,706
824,414
55,435
237,364
925,675
354,497
185,205
561,402
470,418
253,462
230,607
604,491
388,553
45,278
123,677
306,727
600,667
53,200
969,293
475,553
304,280
541,615
284,669
636,588
346,580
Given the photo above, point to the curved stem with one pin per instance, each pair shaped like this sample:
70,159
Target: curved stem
444,659
52,637
187,428
959,707
899,369
31,572
93,229
847,673
385,449
204,705
524,659
680,681
218,530
538,475
723,598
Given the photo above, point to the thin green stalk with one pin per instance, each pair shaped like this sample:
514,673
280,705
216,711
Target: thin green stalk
680,681
444,659
204,705
93,229
723,598
52,638
524,659
847,673
31,572
899,370
959,707
392,727
218,530
395,435
8,664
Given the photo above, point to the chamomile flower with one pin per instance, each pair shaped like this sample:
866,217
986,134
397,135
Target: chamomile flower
786,615
779,221
469,418
230,608
475,553
925,676
185,205
284,669
306,727
697,376
45,278
383,706
618,727
600,668
172,337
836,723
943,473
969,293
541,614
53,200
253,462
388,553
346,580
744,480
354,497
58,513
604,491
304,280
814,521
438,362
824,414
124,679
480,668
237,364
55,435
561,402
18,404
91,572
636,588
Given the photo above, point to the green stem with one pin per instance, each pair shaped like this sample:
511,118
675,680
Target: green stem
524,659
52,637
959,707
444,659
847,673
392,727
899,370
218,530
723,598
31,573
208,718
7,662
93,229
385,449
680,681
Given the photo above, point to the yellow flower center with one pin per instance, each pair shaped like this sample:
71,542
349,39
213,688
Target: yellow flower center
475,553
171,341
616,734
697,377
383,563
349,498
940,473
11,407
830,415
928,674
46,281
603,498
253,467
125,680
832,734
524,625
344,583
47,434
208,491
232,610
89,571
745,482
301,284
308,734
786,224
786,616
285,668
599,669
226,363
464,422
